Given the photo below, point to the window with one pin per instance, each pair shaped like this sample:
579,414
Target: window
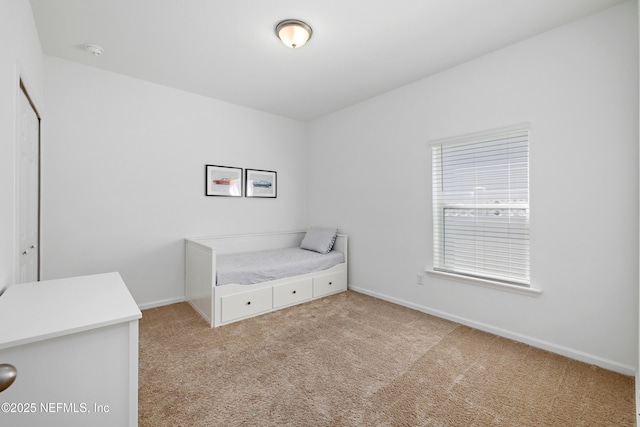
481,207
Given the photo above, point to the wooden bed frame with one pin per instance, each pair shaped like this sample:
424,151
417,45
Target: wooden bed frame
221,305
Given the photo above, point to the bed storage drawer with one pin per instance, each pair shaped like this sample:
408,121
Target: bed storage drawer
329,283
246,304
292,293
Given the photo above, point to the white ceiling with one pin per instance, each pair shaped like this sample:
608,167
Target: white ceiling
228,50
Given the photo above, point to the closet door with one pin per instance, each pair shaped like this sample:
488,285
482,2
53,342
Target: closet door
28,176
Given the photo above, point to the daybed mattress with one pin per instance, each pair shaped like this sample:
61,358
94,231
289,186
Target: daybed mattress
255,267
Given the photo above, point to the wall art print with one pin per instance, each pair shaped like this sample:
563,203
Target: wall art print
223,181
260,183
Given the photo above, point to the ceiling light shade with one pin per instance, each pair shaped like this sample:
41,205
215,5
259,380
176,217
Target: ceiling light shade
293,33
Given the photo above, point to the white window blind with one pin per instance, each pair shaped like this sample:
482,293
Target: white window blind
481,207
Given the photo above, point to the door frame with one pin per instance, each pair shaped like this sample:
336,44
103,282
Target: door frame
22,88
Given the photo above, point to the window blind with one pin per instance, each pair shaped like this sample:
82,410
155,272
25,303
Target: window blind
481,207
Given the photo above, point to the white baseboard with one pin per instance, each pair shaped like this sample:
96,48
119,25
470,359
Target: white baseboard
554,348
160,303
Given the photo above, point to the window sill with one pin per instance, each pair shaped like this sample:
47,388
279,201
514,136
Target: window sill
487,283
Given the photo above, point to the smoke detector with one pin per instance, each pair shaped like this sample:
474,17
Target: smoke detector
94,49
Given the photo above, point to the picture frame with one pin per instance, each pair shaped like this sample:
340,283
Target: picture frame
261,183
223,181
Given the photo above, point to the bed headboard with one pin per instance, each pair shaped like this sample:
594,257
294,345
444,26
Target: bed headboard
342,245
257,242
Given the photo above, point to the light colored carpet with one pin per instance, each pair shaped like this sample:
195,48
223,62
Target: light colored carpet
353,360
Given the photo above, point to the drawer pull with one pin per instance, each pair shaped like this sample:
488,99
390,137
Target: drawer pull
331,283
293,292
248,302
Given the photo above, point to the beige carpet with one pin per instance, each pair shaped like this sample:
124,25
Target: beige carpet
353,360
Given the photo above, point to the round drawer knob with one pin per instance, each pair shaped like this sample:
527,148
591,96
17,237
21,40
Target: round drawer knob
248,302
8,375
293,292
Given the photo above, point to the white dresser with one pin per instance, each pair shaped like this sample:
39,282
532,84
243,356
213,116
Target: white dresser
74,343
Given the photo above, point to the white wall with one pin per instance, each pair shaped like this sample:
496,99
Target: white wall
123,176
638,364
578,87
20,57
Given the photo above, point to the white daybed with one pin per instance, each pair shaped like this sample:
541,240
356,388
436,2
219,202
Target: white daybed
228,303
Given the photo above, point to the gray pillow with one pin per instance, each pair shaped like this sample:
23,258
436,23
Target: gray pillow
319,239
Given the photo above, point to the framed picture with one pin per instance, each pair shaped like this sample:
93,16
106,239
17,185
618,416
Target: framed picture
223,181
260,183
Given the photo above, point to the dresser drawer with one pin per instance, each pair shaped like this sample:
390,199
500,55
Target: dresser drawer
246,304
292,293
329,284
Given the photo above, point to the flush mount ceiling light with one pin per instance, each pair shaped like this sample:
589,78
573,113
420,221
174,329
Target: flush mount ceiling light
94,49
293,33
